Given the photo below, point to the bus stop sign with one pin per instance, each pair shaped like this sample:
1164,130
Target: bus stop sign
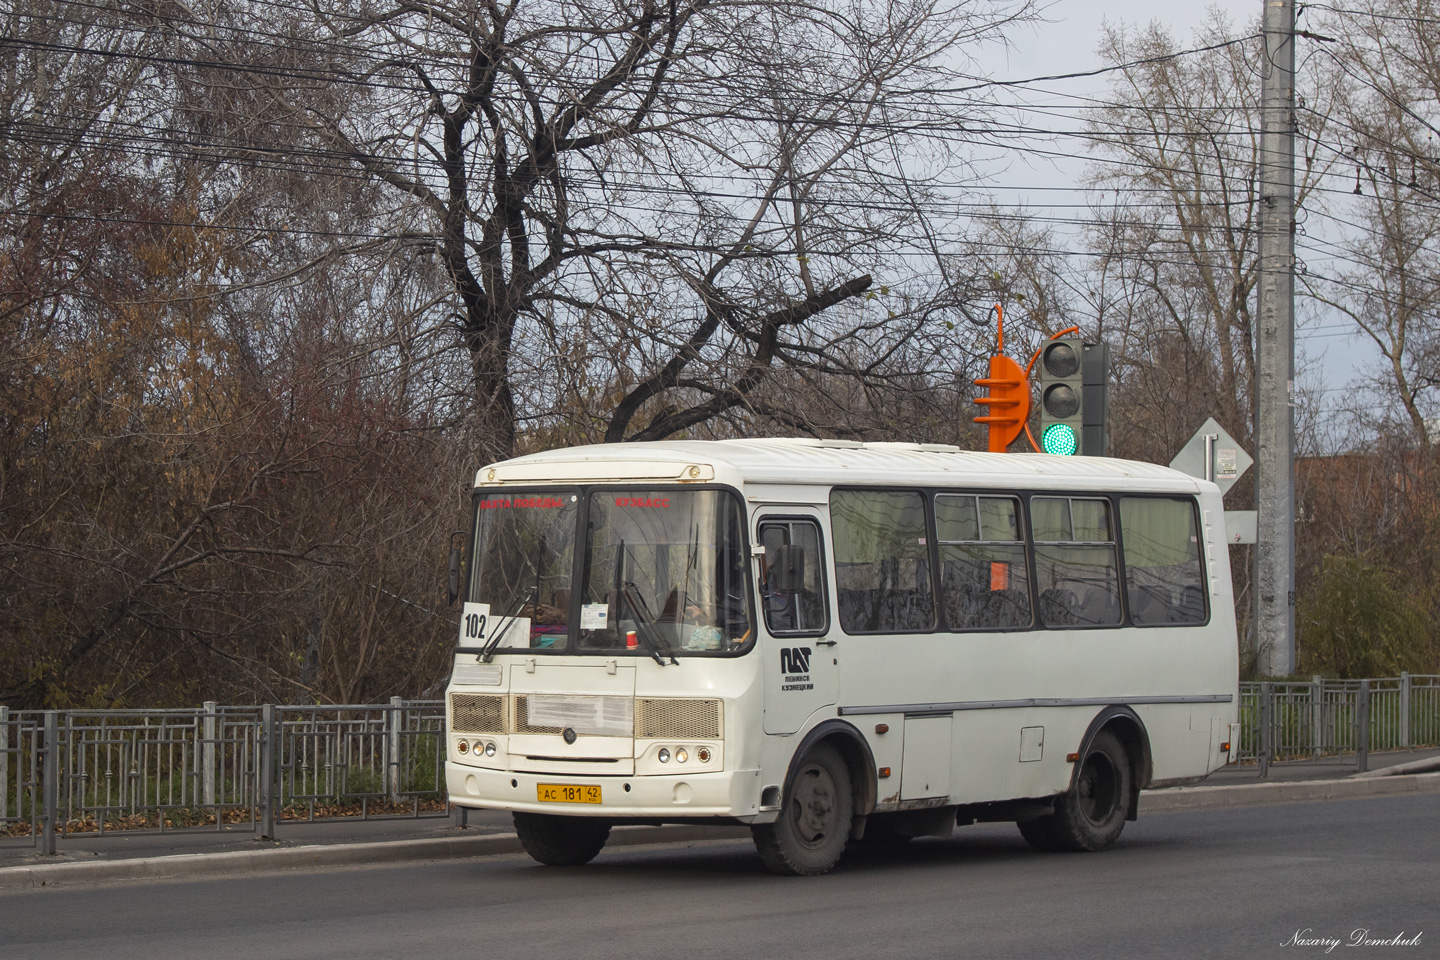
1212,454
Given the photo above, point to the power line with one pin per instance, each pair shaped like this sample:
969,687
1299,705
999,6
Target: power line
336,162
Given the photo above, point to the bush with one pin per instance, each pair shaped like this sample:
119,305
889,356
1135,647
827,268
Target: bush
1356,619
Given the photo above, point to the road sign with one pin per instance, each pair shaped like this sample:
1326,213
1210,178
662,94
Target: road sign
1212,454
1240,526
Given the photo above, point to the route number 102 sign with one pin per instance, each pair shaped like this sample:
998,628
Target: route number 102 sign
474,622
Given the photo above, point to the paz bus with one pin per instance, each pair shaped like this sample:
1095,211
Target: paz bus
832,641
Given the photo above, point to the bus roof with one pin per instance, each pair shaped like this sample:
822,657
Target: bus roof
838,462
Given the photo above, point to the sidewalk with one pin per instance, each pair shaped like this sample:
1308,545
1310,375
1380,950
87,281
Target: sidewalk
1332,778
135,844
90,857
1326,768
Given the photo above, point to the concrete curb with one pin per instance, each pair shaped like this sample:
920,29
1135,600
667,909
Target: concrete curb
1292,791
231,862
1427,765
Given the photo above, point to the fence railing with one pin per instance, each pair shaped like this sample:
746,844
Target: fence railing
64,772
1336,718
243,767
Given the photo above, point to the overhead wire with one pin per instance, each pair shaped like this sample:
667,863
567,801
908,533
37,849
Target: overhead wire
159,140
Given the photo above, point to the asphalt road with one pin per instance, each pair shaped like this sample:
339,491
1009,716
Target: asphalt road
1221,883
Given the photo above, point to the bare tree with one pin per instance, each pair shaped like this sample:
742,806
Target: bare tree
643,208
1177,193
1385,272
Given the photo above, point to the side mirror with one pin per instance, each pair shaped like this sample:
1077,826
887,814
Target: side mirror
789,567
454,586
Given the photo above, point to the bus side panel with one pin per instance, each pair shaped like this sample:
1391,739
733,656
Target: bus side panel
990,744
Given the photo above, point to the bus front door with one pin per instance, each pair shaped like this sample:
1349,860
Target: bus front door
801,654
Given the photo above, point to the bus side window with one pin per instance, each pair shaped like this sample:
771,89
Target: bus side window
1165,581
792,585
1076,569
984,581
882,561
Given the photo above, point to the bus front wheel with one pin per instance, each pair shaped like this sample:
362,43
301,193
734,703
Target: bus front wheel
561,841
814,823
1091,815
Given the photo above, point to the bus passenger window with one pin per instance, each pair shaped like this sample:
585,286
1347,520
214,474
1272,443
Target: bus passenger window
1165,581
984,582
1075,564
882,562
792,585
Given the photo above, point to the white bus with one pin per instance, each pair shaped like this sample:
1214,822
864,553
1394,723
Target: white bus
832,641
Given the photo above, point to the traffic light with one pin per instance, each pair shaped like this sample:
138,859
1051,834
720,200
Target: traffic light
1008,405
1074,399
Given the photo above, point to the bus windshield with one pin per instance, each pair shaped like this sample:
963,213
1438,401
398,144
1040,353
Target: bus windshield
660,572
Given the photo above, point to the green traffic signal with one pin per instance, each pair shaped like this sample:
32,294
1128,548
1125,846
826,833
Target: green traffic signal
1073,397
1059,439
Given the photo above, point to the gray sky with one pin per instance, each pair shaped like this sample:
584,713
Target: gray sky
1066,43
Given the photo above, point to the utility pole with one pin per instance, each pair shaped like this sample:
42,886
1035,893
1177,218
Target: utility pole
1275,411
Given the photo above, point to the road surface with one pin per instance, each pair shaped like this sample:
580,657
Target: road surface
1277,881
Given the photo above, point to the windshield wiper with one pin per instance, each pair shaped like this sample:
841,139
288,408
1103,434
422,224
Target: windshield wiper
487,652
629,595
645,625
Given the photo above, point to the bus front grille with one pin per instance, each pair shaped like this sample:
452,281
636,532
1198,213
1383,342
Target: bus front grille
477,713
671,719
522,719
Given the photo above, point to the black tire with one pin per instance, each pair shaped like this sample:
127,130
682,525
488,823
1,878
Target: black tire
814,823
1091,815
561,841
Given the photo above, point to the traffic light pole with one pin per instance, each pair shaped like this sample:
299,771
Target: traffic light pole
1275,414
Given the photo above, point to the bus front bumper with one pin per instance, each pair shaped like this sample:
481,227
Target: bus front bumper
724,794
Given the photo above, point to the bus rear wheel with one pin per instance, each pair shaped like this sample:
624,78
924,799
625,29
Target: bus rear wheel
814,823
1091,815
561,841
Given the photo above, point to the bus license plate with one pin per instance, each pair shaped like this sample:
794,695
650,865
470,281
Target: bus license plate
569,793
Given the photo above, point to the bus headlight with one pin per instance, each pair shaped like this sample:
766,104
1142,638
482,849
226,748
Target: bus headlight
681,756
664,755
489,749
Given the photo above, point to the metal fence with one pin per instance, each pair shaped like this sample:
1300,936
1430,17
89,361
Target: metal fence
64,772
1337,718
228,767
